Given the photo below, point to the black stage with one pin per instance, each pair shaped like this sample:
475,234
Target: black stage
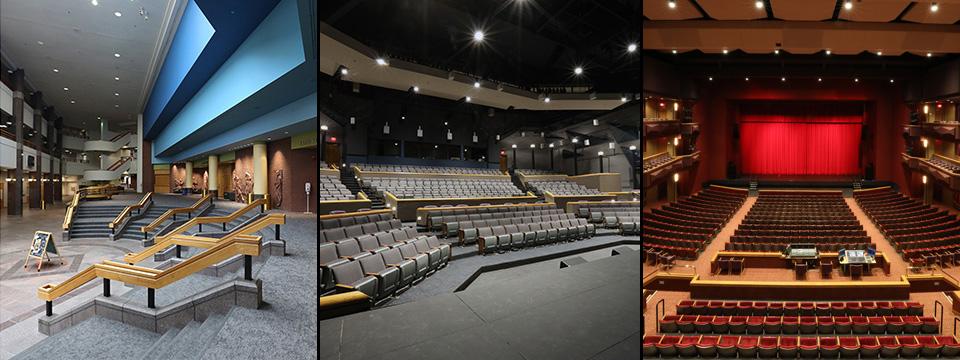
588,311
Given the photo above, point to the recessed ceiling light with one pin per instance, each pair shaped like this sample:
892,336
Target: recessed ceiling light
746,79
672,4
819,79
891,81
40,43
631,47
934,7
783,79
56,70
710,78
117,14
848,4
94,2
98,118
579,70
856,79
116,78
116,55
66,89
73,101
116,94
116,105
478,35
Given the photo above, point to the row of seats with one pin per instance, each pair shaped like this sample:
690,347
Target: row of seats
945,164
720,324
916,230
778,219
433,211
561,187
793,308
348,219
588,210
426,169
682,228
353,231
789,347
822,246
330,188
381,272
630,225
469,230
611,219
450,225
656,161
515,237
538,172
429,188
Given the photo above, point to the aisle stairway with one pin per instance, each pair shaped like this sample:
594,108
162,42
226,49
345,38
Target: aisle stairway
346,177
90,220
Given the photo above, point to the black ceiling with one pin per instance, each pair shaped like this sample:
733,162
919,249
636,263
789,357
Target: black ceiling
528,43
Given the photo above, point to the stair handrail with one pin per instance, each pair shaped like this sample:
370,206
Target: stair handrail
126,211
240,244
120,135
173,212
71,208
163,241
117,164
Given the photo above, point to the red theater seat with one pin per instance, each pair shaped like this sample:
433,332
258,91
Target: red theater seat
930,325
889,347
650,345
755,325
713,307
685,323
809,348
894,324
884,308
720,324
707,347
869,347
829,347
790,324
668,323
747,346
727,346
911,324
767,347
788,347
929,347
703,324
853,308
775,309
842,324
951,347
877,325
823,309
771,324
915,308
868,308
759,308
860,324
808,325
838,308
683,307
699,307
791,309
729,308
738,324
825,324
744,308
687,347
807,308
667,347
849,347
909,346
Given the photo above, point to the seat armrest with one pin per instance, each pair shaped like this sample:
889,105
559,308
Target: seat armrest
345,287
334,263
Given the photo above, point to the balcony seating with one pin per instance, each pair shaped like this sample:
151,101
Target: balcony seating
652,163
354,220
330,188
585,211
538,172
450,225
432,188
789,347
945,164
341,234
433,219
426,169
561,187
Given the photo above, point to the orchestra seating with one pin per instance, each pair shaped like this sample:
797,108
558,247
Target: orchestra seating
788,347
585,211
682,228
350,260
426,169
782,218
560,187
656,161
330,188
433,188
803,308
921,233
538,172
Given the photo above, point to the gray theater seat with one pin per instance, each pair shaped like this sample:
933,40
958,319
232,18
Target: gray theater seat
349,276
409,252
350,250
424,248
408,268
353,231
334,235
369,228
369,243
444,248
388,278
327,254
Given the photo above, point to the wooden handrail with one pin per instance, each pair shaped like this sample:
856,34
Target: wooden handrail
167,214
165,240
68,218
152,278
126,211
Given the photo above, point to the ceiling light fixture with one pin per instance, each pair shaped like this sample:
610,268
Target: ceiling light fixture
672,4
468,99
416,89
116,78
746,79
819,79
891,81
848,4
381,62
116,94
117,14
828,51
934,7
856,79
579,70
631,48
546,99
710,78
344,71
725,51
929,54
776,51
94,2
73,101
674,51
476,84
40,43
56,70
116,55
478,36
66,89
758,4
783,79
879,53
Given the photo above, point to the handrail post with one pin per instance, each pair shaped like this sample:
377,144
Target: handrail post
276,232
657,309
178,251
150,298
247,267
955,326
224,226
106,287
201,226
935,304
50,311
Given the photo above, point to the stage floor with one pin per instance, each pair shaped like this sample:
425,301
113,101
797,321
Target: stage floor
587,311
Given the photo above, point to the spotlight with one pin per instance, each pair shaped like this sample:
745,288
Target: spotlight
623,99
344,71
819,79
415,89
633,147
891,81
848,4
468,99
631,48
856,79
324,127
579,70
672,4
758,4
934,7
879,53
710,78
746,79
533,146
514,146
551,145
478,36
381,62
783,79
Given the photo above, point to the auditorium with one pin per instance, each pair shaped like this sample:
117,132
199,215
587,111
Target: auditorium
303,179
801,179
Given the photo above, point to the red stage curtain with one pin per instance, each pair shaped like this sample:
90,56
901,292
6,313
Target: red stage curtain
800,142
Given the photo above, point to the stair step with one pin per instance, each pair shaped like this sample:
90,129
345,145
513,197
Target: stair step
166,348
202,338
162,345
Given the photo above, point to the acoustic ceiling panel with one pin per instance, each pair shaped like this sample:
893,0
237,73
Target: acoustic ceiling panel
808,10
874,10
658,10
733,9
947,13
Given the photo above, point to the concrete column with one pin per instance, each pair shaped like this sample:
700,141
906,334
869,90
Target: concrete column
259,169
103,131
142,156
36,187
213,163
188,178
15,187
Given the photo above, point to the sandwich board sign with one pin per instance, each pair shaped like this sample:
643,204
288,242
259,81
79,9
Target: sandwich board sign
42,246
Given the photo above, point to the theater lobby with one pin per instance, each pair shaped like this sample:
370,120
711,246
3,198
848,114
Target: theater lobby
821,220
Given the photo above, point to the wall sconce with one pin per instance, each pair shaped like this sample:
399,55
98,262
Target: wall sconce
925,142
676,106
926,109
419,131
324,128
611,146
599,153
586,142
449,135
676,141
676,177
551,145
513,146
924,179
533,146
386,128
475,137
633,148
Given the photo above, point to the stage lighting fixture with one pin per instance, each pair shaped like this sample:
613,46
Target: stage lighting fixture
633,148
725,51
828,51
631,48
929,54
776,51
674,51
467,99
676,177
924,179
596,122
579,70
514,146
926,109
476,84
546,99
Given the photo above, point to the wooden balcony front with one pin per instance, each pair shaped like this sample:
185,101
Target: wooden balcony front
666,170
932,170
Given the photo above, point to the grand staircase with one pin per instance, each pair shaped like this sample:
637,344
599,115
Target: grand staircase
90,220
132,231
